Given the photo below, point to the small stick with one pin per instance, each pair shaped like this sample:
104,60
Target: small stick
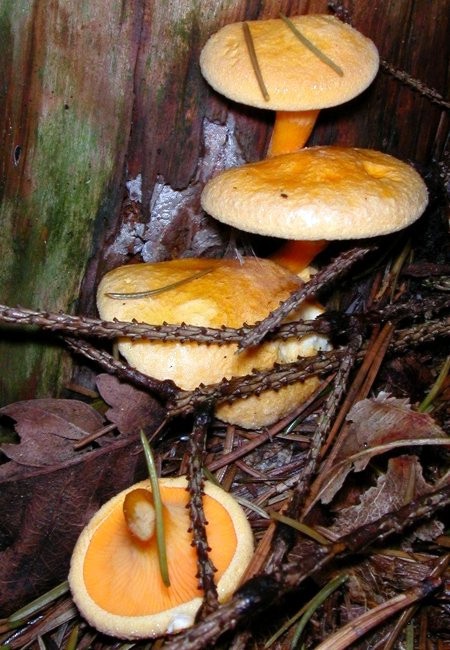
206,568
351,632
255,383
82,326
415,84
233,455
330,273
261,591
166,389
327,417
94,436
358,390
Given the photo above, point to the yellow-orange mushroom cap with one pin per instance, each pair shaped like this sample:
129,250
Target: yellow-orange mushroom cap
319,193
115,578
298,82
231,293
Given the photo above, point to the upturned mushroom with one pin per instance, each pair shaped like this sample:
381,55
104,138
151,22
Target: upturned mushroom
212,293
319,193
306,63
114,574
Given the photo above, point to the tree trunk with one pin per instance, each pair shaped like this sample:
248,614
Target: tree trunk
110,132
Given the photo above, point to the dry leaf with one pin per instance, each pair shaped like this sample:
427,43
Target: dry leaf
47,430
131,409
402,482
43,512
48,491
378,425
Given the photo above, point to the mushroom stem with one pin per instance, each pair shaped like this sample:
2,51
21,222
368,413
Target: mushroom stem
291,131
139,514
295,254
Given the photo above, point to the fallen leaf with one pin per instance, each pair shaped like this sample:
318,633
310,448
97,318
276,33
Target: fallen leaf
132,410
48,491
402,482
47,430
42,514
378,425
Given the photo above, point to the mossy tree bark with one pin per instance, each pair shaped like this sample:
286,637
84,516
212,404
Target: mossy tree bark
110,132
66,99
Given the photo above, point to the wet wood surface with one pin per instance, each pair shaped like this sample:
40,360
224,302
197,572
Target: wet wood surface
109,133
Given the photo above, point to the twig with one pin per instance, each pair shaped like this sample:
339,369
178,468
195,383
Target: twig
255,383
233,455
327,417
82,326
326,323
356,628
206,569
352,631
240,387
419,334
374,355
257,594
330,273
166,389
415,84
371,363
281,542
181,402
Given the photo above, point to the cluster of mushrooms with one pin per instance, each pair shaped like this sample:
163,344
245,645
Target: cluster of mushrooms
307,196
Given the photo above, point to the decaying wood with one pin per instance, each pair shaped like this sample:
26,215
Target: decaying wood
64,142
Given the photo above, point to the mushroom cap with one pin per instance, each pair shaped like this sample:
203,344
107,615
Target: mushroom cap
116,583
231,293
296,79
319,193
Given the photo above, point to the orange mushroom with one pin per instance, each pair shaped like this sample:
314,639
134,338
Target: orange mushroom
221,292
114,575
306,63
319,192
297,67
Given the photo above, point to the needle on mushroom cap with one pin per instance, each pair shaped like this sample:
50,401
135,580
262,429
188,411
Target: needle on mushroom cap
299,83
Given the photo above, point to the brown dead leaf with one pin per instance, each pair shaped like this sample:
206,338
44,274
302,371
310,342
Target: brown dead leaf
48,491
132,410
402,482
42,512
47,430
378,425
